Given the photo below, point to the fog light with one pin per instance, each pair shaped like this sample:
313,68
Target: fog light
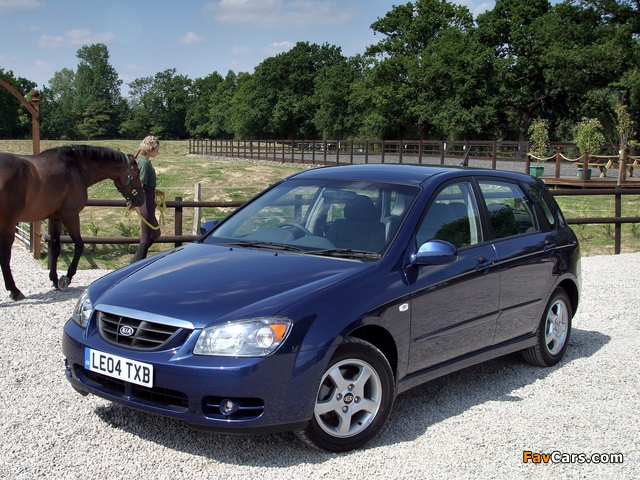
228,407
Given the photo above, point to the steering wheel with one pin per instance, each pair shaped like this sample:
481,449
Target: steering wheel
302,231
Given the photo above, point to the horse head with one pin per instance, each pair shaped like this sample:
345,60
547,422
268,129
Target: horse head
130,187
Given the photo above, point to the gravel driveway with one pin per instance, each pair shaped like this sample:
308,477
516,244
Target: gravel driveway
472,424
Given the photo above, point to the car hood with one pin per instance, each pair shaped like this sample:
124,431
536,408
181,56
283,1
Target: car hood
207,284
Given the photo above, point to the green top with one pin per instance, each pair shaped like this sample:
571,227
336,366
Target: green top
147,172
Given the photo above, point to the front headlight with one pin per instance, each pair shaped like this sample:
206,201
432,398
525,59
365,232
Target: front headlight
82,311
257,337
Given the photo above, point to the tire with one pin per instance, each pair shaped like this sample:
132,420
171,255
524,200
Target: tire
554,332
354,398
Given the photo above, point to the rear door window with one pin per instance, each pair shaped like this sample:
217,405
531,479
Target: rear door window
510,210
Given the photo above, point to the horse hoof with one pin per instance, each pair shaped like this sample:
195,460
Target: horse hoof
63,283
16,296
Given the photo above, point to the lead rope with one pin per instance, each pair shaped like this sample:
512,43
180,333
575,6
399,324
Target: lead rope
162,207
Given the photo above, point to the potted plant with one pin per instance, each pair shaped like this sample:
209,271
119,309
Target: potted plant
588,139
539,138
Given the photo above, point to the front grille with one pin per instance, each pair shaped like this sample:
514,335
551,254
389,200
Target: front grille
156,395
133,333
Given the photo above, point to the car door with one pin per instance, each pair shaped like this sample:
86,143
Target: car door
525,259
453,307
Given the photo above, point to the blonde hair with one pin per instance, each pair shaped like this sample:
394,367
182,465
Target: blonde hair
148,144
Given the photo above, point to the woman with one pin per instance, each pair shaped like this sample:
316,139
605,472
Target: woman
149,228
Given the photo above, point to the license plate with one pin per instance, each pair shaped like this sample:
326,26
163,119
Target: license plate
119,367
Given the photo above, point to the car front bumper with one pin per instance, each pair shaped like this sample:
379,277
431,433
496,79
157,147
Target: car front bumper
268,394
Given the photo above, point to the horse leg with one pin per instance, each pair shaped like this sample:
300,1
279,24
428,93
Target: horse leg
6,242
54,249
73,227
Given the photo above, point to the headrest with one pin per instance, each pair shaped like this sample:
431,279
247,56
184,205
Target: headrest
360,208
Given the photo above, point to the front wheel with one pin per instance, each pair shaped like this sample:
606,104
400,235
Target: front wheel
354,399
554,332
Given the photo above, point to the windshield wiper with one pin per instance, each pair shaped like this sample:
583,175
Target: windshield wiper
269,245
347,253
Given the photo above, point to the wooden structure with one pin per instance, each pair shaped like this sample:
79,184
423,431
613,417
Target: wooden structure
33,106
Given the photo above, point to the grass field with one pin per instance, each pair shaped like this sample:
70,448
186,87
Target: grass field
237,180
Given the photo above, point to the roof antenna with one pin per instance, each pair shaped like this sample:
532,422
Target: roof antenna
465,159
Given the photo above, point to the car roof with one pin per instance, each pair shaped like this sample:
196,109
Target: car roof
399,173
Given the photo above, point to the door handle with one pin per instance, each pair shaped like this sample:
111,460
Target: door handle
483,264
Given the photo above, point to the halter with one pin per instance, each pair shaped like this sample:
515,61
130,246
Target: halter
129,183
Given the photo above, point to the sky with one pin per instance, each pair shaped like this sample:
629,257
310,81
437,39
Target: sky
196,37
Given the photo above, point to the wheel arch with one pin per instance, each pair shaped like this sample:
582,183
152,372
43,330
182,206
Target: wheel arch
382,340
572,291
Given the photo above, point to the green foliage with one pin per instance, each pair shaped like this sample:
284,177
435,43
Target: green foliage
625,126
539,137
589,138
199,106
96,120
97,88
435,73
15,122
128,228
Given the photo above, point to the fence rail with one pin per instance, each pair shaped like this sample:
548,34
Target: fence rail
178,205
339,152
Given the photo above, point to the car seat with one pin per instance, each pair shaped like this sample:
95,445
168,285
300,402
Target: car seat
360,229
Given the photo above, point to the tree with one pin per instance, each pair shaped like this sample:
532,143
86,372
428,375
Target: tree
333,118
15,120
539,138
429,75
199,107
96,121
589,137
283,100
97,81
57,104
159,105
512,29
222,112
137,123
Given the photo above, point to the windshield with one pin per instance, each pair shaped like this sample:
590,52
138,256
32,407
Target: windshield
322,217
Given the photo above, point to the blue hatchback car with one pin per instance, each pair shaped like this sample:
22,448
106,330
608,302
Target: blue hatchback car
318,301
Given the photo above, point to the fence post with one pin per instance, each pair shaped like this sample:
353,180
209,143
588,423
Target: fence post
178,220
622,168
197,211
618,225
494,155
585,166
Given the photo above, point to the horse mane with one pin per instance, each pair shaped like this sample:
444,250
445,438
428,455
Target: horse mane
79,152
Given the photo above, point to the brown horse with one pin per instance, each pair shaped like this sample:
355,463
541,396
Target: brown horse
54,185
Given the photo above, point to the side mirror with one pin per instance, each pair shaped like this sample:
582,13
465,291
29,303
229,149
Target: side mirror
435,252
208,225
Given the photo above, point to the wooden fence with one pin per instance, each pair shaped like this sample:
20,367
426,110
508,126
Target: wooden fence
178,205
565,160
339,152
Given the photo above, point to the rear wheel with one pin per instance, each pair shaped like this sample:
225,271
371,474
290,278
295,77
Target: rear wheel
554,332
354,400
